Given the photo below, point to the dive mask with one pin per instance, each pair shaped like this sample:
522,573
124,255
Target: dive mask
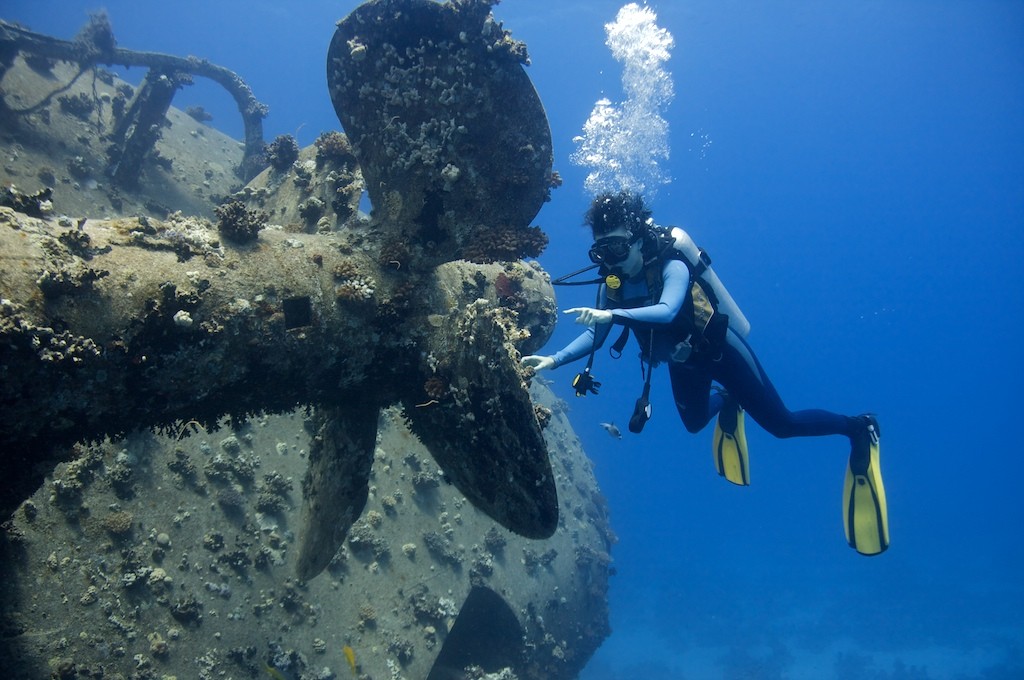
611,250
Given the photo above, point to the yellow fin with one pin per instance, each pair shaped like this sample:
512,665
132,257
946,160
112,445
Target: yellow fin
865,510
350,656
729,445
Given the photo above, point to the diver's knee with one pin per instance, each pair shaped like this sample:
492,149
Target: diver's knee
693,428
783,430
692,423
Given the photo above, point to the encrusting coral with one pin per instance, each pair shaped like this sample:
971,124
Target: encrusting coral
239,224
332,146
282,152
504,244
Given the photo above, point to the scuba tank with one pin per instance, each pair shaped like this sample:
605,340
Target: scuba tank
700,264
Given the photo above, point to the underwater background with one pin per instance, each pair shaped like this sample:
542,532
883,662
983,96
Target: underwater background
856,171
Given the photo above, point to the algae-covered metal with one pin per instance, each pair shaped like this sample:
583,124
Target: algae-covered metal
442,117
447,523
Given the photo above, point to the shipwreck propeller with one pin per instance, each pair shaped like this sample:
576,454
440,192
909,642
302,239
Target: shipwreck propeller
448,129
455,149
108,326
464,397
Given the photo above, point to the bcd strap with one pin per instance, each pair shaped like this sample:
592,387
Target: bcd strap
642,408
620,343
703,262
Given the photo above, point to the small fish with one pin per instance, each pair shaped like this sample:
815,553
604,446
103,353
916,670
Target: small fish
273,672
350,656
611,429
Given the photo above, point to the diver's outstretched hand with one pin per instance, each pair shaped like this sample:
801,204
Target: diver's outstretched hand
588,316
538,363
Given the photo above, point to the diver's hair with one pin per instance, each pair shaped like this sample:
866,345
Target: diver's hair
610,211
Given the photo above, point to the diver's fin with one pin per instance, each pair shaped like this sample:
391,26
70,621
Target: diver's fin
730,444
865,514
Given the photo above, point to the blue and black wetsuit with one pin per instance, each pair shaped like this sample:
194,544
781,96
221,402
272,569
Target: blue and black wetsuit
737,370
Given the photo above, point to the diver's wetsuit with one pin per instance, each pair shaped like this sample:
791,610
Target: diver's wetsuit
738,370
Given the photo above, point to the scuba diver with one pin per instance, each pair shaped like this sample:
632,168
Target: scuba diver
656,284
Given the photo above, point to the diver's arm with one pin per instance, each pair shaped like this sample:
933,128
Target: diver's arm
586,342
580,347
675,279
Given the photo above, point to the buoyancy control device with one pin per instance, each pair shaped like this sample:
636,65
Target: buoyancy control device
700,264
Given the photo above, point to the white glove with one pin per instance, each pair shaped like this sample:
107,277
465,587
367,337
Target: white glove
538,363
588,316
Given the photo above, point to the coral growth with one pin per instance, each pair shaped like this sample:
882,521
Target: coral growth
494,541
199,114
442,549
118,523
435,387
351,286
34,205
18,333
510,291
543,415
65,280
367,616
96,38
239,224
311,209
332,146
504,244
282,152
79,168
362,539
80,105
273,493
394,254
506,287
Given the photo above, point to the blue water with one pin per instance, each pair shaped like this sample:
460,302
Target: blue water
856,170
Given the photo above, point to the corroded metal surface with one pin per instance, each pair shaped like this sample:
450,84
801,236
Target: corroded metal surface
446,125
336,484
421,452
117,325
484,435
179,557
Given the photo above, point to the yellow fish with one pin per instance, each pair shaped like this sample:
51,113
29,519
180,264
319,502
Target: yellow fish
350,656
273,672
